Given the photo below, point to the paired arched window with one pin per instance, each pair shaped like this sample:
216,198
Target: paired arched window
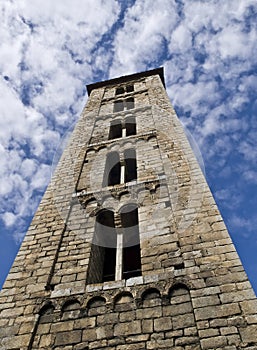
124,105
118,129
115,252
117,172
122,89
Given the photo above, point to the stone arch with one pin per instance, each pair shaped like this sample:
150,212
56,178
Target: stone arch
90,150
70,309
101,148
90,204
151,137
124,301
96,305
124,194
182,282
46,313
41,327
179,292
151,297
180,310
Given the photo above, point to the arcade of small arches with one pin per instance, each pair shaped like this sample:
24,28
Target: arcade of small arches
109,301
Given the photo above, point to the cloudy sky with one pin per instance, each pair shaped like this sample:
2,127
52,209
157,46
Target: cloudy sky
49,51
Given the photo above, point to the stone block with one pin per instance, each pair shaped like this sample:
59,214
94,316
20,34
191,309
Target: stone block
69,337
183,321
16,342
127,328
162,324
249,334
217,311
214,342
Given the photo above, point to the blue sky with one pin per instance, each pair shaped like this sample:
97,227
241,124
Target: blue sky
50,50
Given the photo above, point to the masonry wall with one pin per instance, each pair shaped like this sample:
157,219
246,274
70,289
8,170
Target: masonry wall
193,292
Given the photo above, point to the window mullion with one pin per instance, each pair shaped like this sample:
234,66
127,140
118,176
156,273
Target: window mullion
119,255
119,248
122,173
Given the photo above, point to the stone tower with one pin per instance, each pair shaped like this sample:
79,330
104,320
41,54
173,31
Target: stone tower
127,249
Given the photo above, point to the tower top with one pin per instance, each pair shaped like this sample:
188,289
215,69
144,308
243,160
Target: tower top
126,78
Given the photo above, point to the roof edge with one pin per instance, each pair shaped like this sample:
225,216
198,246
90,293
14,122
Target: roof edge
126,78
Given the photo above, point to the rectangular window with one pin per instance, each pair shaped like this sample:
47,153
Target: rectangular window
130,165
130,103
130,125
119,90
115,130
129,88
118,106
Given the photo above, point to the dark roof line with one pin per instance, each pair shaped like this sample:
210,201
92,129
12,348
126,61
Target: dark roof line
127,78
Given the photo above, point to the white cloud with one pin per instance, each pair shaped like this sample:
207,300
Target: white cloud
28,167
181,39
47,50
141,40
9,218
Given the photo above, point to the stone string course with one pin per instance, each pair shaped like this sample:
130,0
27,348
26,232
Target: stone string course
193,292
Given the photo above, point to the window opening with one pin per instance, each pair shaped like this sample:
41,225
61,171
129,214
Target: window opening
115,130
129,88
112,170
130,103
103,250
124,132
119,90
121,105
130,125
130,165
118,106
115,251
131,243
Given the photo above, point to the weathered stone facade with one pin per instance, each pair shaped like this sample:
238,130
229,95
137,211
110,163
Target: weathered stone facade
190,291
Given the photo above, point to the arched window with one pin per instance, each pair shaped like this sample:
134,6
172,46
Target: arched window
130,165
130,125
115,130
121,105
103,250
112,169
121,90
115,173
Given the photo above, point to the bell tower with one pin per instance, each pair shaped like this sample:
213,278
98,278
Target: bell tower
127,249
